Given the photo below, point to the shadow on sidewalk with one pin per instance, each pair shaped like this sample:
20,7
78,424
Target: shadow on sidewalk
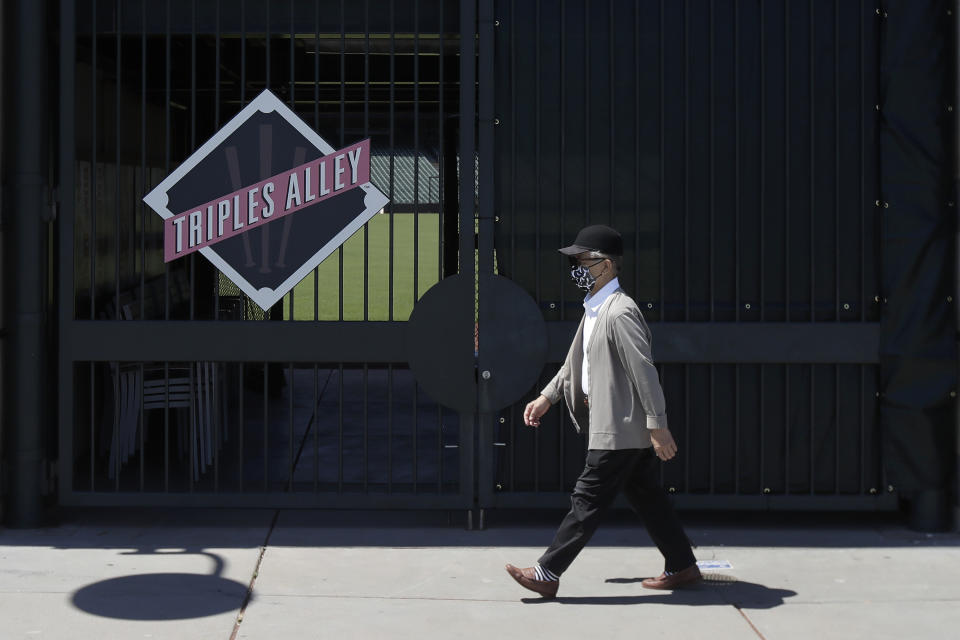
162,596
742,595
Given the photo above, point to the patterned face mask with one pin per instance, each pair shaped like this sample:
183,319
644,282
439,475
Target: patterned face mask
582,277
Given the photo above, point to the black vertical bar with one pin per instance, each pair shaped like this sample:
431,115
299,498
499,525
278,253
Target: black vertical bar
93,410
440,147
393,54
513,139
143,179
513,448
215,425
166,425
389,428
366,133
713,462
813,423
93,171
836,161
290,387
293,75
612,113
862,444
293,107
786,163
468,92
786,426
763,170
216,125
586,112
416,466
736,429
142,426
243,52
686,422
813,270
316,418
712,249
116,177
836,419
266,424
193,137
316,127
686,167
763,429
636,145
863,202
343,102
192,445
66,393
240,402
660,168
416,153
563,171
340,433
439,448
736,163
166,163
267,30
536,165
366,427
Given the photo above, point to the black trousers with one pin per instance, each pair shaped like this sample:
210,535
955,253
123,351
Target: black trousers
637,473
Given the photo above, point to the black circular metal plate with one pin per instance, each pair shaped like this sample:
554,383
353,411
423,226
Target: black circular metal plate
513,343
440,343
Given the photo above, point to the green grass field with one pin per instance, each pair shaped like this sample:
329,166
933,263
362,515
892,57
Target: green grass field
326,278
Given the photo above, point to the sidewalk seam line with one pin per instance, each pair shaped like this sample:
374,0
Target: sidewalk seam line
253,578
749,622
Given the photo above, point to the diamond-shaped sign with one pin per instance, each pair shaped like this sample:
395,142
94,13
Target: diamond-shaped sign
266,200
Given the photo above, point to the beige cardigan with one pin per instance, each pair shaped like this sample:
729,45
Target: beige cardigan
625,394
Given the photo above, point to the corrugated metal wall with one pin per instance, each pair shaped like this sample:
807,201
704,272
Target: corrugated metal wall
734,144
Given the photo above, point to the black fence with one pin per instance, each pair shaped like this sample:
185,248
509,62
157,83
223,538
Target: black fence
176,387
734,145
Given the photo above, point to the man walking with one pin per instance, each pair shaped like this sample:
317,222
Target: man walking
611,388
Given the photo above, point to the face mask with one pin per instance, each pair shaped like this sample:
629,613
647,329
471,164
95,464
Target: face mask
582,277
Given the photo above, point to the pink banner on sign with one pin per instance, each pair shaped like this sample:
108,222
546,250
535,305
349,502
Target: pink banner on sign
262,202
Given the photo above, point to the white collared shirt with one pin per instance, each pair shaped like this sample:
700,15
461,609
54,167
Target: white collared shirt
591,305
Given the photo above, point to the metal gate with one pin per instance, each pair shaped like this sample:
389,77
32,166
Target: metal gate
174,387
732,143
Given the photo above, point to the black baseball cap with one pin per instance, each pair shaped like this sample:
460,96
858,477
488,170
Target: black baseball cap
596,237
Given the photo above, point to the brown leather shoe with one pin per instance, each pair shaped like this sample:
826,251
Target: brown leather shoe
688,576
527,578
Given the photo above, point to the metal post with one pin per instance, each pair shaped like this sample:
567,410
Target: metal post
485,77
467,211
25,192
955,203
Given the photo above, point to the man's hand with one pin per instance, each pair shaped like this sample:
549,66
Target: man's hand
535,409
663,444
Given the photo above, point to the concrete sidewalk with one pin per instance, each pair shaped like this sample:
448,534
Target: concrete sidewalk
144,574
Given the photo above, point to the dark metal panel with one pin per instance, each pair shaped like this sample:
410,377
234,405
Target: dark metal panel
704,502
236,341
747,342
271,500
